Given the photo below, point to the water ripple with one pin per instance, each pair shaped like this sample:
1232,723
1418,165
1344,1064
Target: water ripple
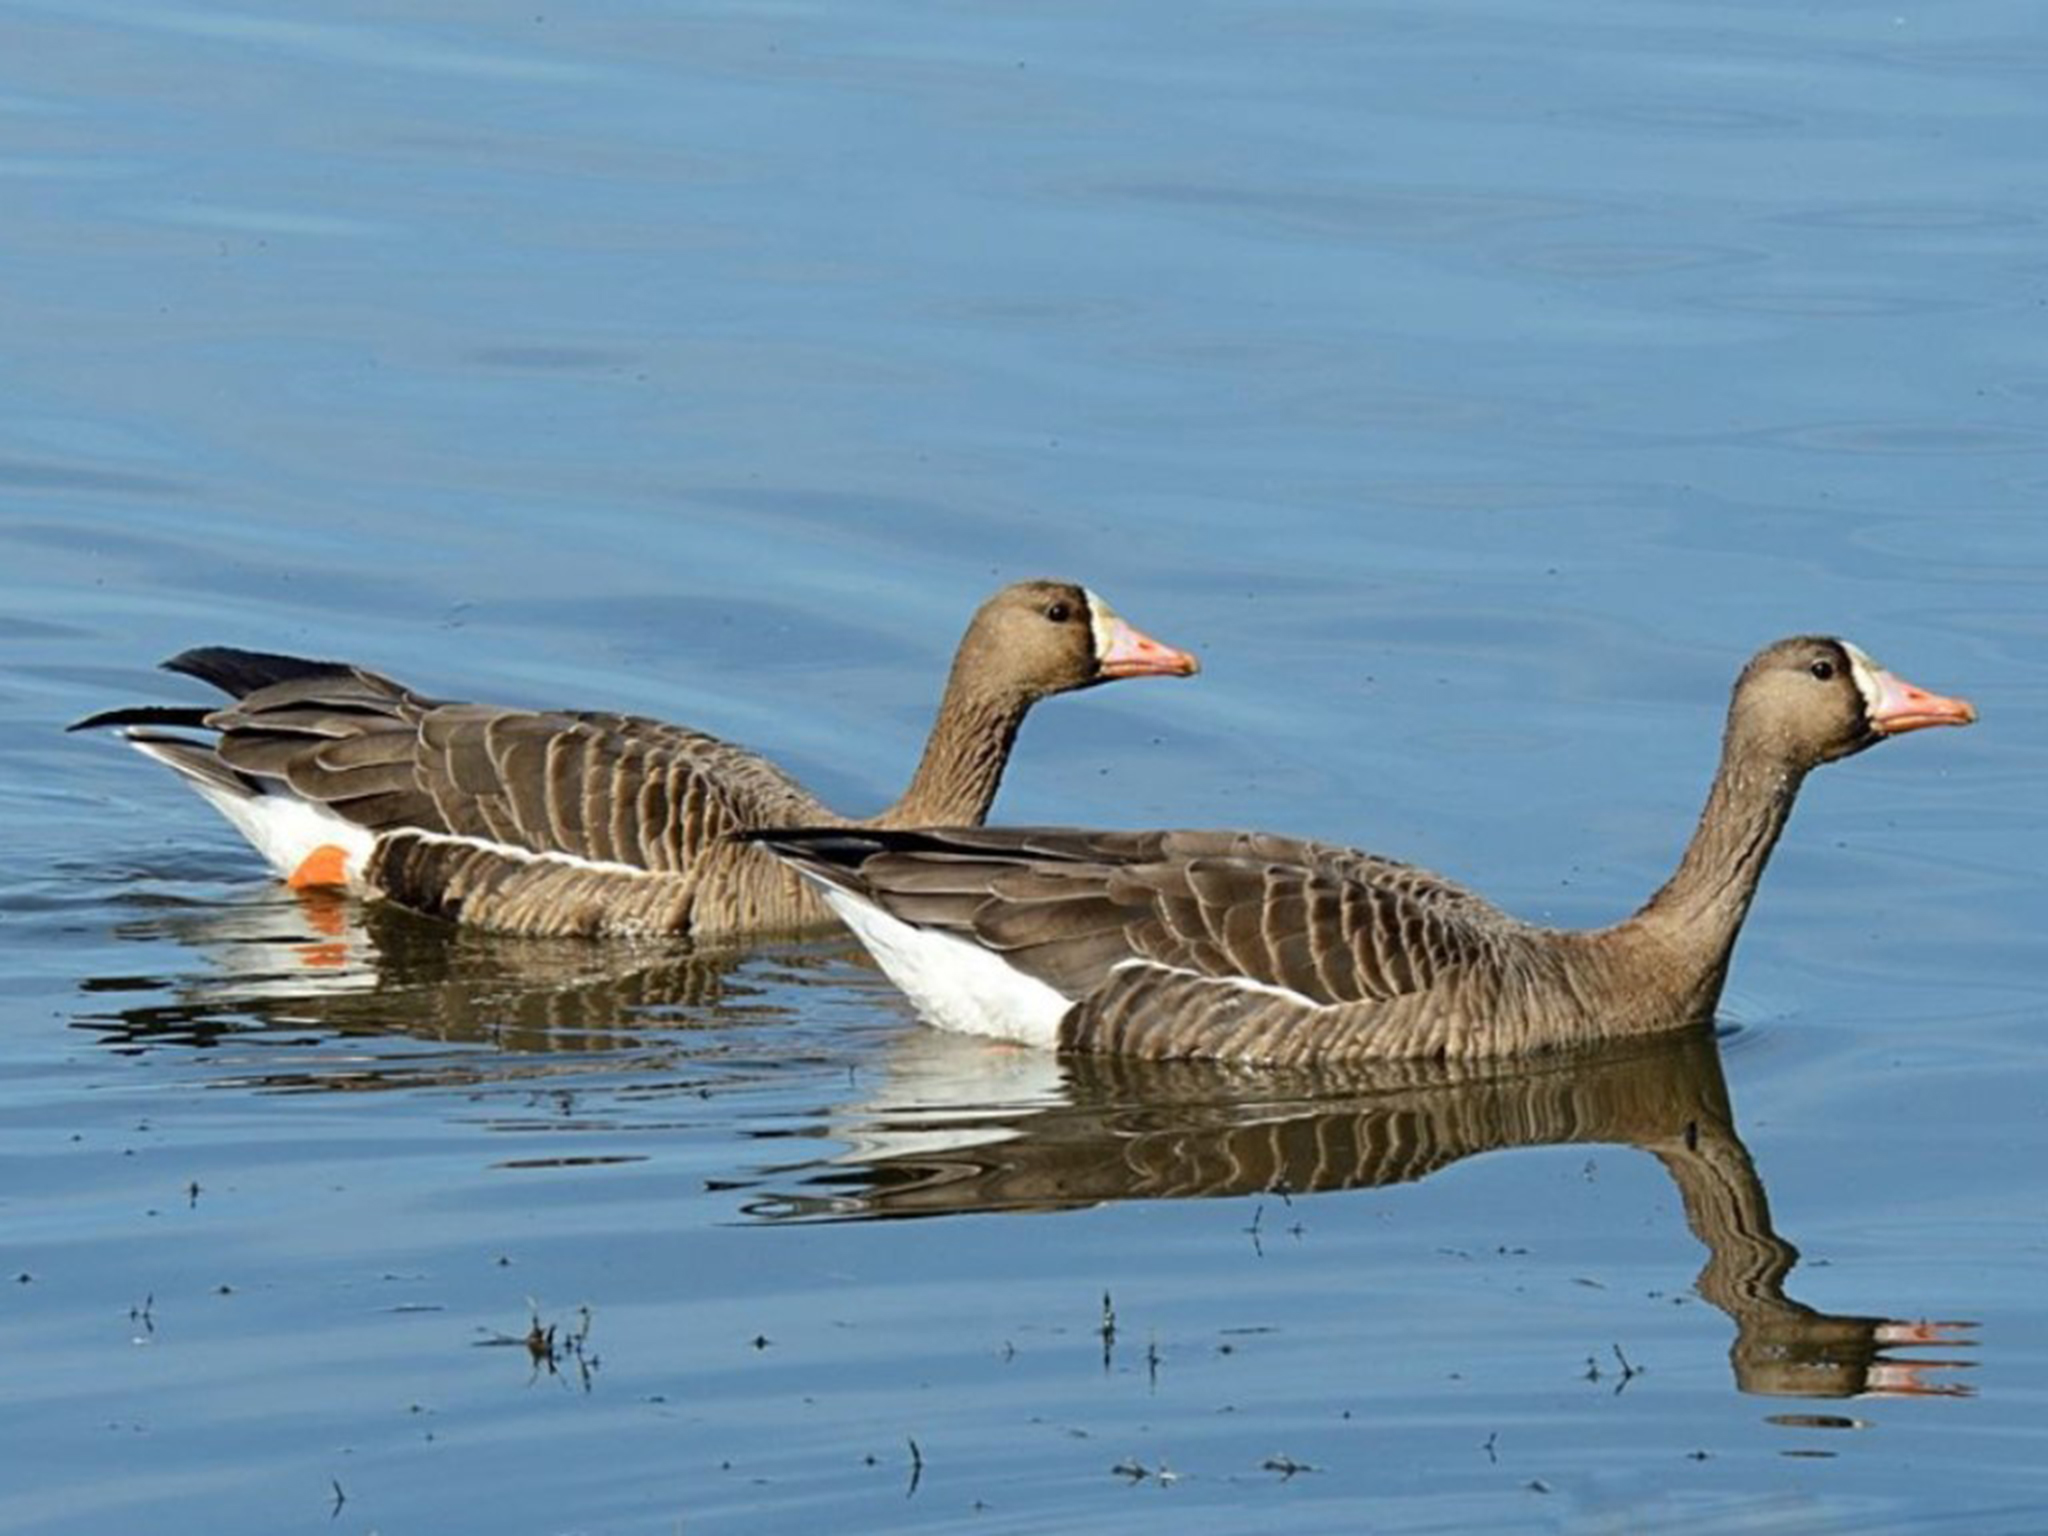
374,47
1909,437
1399,215
1624,259
33,475
1906,216
1838,304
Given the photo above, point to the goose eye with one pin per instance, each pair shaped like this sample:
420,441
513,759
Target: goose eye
1059,612
1822,669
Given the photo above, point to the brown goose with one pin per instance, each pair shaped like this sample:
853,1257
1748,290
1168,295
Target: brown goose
553,822
1246,946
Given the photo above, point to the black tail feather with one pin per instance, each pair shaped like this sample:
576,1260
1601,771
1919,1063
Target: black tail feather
844,846
239,673
145,714
848,846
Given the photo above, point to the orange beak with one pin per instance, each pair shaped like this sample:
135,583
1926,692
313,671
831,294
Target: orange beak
1129,652
1901,707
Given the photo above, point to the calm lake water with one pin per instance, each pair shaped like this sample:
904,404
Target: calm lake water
1475,387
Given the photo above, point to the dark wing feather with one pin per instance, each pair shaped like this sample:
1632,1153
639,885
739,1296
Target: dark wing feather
333,734
1068,906
536,821
609,788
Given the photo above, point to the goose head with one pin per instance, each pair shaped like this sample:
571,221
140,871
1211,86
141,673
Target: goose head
1038,638
1812,699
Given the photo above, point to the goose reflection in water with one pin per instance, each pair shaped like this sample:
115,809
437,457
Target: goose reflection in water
960,1125
1108,1128
314,960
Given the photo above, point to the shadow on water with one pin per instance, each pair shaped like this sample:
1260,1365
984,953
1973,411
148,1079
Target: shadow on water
949,1125
1108,1129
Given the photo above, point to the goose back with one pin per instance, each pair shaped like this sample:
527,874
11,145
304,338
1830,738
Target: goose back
1237,945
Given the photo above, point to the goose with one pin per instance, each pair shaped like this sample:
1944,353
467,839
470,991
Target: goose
579,823
1261,948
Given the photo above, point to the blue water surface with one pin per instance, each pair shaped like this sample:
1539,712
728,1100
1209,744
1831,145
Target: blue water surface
1474,386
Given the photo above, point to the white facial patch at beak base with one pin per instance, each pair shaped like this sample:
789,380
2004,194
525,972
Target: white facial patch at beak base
1869,678
1102,622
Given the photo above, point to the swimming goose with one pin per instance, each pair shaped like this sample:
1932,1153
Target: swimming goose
559,822
1254,947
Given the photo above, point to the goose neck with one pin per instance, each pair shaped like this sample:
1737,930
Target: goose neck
962,767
